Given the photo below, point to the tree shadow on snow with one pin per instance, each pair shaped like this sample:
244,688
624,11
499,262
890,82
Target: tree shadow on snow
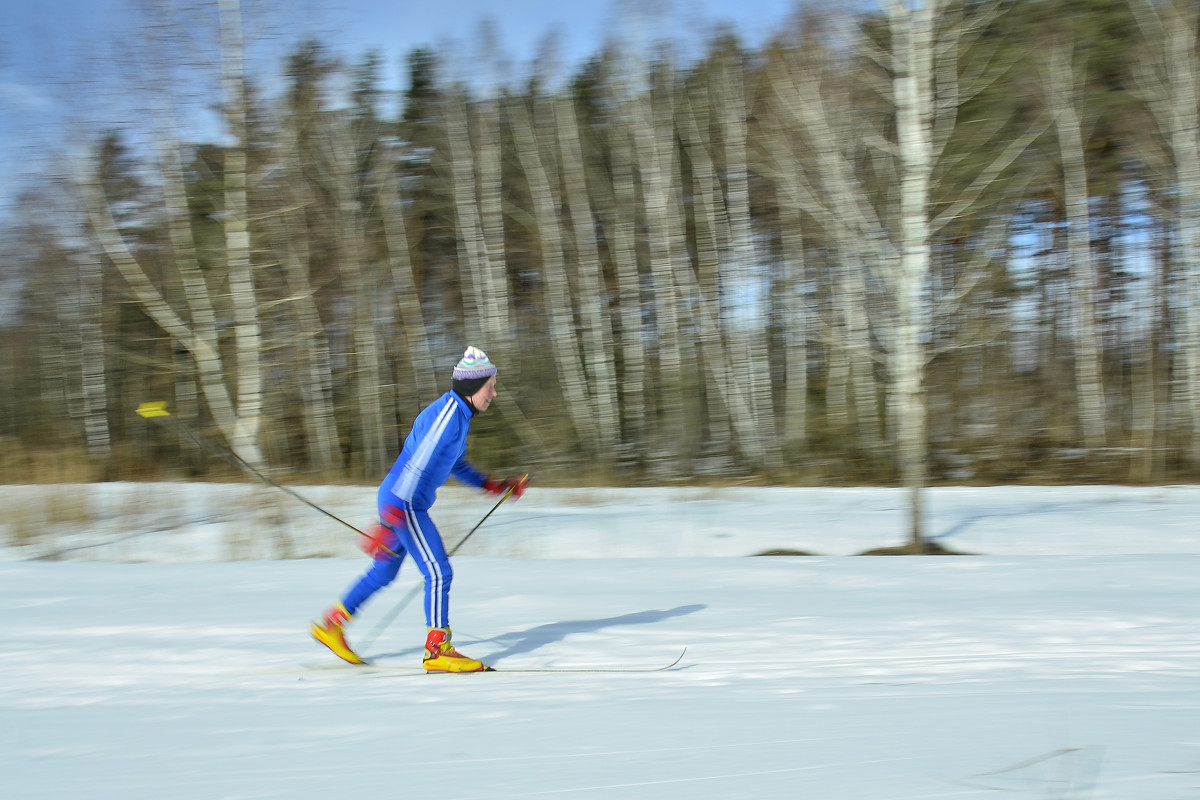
526,641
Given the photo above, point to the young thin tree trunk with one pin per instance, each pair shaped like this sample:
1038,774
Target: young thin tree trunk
724,406
360,269
794,323
94,374
730,408
1062,100
412,317
1170,84
623,216
597,339
1146,380
653,132
749,335
823,116
727,381
559,308
779,161
472,246
315,381
493,270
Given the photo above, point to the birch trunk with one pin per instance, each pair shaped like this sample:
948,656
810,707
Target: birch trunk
794,322
779,162
724,406
472,247
1144,425
247,330
94,375
623,224
54,349
559,308
748,336
412,318
315,381
1062,99
653,134
356,264
197,330
822,116
1170,84
734,393
197,339
913,41
494,296
291,242
597,339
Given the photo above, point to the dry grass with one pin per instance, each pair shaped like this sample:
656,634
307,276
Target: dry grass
23,465
34,517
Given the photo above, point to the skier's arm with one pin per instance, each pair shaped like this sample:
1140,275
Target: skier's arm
464,472
471,476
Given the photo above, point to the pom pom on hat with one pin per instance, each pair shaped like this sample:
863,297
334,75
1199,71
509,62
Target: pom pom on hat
474,365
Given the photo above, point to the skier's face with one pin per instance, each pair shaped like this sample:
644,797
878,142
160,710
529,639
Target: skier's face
484,397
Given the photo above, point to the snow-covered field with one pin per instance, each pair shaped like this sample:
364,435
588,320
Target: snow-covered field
1062,661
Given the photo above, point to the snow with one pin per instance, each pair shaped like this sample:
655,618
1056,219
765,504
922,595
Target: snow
1062,660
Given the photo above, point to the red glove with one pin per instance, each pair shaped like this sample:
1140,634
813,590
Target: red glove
379,542
500,486
391,516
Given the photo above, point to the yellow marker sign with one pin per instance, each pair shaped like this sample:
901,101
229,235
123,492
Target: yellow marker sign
156,409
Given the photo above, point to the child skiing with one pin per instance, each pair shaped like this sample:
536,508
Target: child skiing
433,451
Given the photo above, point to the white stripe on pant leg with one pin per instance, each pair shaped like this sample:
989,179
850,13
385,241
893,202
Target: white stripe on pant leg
436,578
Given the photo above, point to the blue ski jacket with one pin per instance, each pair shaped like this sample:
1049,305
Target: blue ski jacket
434,450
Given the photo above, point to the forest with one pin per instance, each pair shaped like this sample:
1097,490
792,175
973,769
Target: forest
948,242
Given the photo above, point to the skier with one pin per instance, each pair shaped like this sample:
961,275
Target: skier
433,451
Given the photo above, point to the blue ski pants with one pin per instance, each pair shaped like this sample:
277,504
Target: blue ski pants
418,536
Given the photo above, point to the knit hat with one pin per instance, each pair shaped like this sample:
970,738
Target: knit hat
472,372
474,364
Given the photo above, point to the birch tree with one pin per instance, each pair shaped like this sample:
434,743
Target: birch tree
290,196
247,330
747,333
732,345
914,93
1168,80
92,349
473,130
811,93
597,334
923,63
412,317
653,128
559,307
620,216
237,414
1062,79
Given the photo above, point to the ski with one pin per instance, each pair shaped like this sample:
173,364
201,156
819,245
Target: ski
373,668
535,670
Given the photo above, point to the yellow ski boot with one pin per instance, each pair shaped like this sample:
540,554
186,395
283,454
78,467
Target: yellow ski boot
330,631
440,655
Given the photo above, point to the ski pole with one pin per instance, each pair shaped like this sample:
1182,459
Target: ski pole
383,624
157,412
503,497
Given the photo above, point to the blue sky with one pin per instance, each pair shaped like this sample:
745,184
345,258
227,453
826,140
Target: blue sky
49,48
